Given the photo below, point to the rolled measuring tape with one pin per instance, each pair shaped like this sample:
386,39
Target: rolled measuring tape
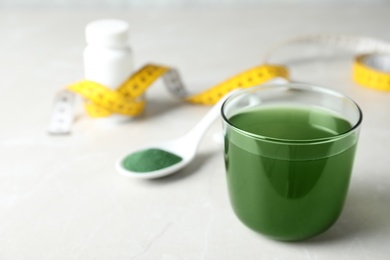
371,68
128,100
372,71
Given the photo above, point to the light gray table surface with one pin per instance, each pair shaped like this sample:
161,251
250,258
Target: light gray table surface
60,196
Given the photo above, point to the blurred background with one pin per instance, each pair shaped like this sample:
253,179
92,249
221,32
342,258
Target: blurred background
173,3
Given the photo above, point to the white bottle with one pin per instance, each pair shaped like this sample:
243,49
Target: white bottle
108,58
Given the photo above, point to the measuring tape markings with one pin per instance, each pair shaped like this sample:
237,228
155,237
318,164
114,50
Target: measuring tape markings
372,71
249,78
102,101
62,115
129,100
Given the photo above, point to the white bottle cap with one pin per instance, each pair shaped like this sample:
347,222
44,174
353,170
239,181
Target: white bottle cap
107,33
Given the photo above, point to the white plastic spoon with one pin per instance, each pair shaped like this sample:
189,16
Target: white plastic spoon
184,147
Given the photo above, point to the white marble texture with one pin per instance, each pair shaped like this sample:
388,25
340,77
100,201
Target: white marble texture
60,197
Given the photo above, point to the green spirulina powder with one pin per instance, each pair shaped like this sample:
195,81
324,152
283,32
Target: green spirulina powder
150,160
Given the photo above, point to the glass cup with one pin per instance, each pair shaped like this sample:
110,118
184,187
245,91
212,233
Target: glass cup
289,152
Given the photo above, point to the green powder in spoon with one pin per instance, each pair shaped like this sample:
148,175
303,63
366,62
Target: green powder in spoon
150,160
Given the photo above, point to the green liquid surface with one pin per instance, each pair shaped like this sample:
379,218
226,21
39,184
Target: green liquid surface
285,190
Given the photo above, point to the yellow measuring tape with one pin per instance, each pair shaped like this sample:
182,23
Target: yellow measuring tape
127,99
372,71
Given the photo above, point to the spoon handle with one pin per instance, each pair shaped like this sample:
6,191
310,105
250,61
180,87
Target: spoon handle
196,134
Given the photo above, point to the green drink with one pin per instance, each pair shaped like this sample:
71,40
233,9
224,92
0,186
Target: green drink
288,162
